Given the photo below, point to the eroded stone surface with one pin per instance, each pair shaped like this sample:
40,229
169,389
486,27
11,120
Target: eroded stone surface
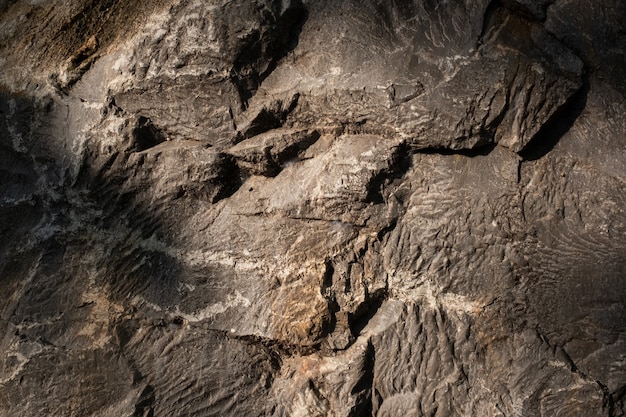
312,208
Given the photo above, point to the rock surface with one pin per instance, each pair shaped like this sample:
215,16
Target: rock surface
312,208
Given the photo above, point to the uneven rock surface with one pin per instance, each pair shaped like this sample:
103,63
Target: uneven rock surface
312,208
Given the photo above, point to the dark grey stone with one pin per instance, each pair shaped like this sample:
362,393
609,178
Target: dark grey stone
312,208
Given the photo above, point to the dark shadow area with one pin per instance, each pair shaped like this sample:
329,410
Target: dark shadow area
596,32
261,51
47,224
5,4
558,124
470,153
133,205
270,116
617,401
366,311
398,166
144,135
144,407
363,388
492,19
326,291
21,208
109,206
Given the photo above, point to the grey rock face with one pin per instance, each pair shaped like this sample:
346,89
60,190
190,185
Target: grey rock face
312,208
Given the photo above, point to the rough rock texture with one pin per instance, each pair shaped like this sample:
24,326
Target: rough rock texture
312,208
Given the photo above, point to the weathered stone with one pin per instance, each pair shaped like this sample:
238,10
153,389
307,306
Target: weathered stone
312,208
